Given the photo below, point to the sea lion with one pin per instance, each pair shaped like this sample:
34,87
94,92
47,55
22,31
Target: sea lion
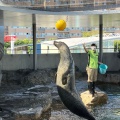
65,81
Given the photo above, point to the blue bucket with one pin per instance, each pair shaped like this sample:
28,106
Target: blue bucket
103,68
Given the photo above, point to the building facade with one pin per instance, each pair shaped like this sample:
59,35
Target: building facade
44,33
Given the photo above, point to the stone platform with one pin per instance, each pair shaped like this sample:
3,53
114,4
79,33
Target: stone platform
99,98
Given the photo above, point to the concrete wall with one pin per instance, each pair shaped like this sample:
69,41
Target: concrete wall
15,62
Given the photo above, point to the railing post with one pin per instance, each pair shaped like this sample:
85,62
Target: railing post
100,38
1,27
34,41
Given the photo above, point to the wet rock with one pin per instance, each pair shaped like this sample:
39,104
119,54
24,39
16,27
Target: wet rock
14,77
0,72
28,104
56,101
24,102
30,114
38,77
0,78
109,78
28,77
78,73
99,98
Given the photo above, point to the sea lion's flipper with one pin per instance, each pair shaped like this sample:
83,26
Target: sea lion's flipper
64,80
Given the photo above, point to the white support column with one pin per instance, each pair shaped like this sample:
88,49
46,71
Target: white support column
12,46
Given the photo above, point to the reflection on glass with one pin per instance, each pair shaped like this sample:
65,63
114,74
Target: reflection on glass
63,5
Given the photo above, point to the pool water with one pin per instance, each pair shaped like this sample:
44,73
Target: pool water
109,111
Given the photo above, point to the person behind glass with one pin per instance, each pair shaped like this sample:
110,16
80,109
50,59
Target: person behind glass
92,67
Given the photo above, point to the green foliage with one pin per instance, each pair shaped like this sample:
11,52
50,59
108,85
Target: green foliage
38,41
52,38
23,42
30,49
90,33
7,44
117,45
20,42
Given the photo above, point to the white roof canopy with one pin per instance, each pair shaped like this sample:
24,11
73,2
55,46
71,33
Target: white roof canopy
72,42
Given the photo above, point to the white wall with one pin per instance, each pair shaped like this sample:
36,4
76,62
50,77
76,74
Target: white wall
48,49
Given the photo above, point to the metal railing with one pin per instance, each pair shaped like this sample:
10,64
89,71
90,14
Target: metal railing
56,51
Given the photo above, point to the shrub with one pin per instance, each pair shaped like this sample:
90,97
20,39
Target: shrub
7,44
90,33
117,45
20,42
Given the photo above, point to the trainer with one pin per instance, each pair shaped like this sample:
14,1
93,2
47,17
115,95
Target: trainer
92,67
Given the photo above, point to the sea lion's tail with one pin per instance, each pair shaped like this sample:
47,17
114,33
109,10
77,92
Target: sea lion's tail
74,104
92,118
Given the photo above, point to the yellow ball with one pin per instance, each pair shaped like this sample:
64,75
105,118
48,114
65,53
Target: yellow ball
60,25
